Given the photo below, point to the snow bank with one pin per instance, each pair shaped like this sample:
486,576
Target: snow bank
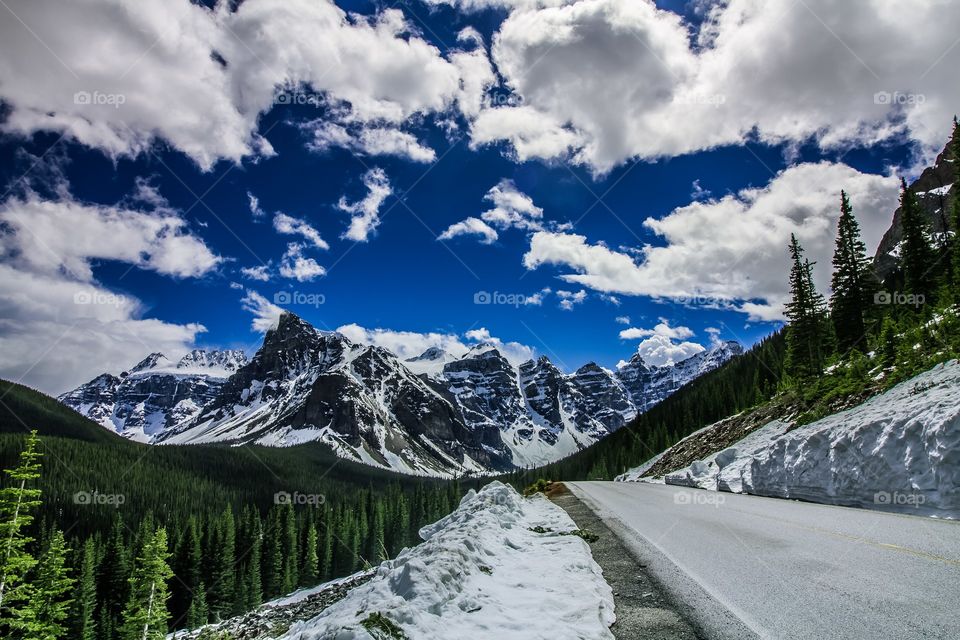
899,451
481,573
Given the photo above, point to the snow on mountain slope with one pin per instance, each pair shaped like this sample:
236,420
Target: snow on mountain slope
156,395
898,451
481,572
434,414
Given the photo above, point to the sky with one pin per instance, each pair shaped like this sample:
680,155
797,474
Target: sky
581,179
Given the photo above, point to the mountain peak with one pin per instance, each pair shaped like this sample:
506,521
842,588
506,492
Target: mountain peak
152,361
431,354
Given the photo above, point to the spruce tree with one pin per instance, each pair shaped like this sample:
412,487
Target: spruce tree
309,576
43,616
84,609
187,566
254,589
290,549
806,334
197,613
852,281
17,501
220,596
917,255
145,616
273,555
955,244
114,580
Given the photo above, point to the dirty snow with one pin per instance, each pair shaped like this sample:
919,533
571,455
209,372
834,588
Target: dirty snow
482,573
899,451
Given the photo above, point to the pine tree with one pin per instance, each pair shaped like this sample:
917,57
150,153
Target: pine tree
187,566
955,244
114,580
17,501
851,283
84,621
45,612
309,576
917,256
254,590
145,616
290,549
197,613
220,596
273,555
806,333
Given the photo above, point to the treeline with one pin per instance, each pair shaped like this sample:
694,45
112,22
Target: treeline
871,330
142,577
868,335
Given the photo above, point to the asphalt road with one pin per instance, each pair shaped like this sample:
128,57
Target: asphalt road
741,566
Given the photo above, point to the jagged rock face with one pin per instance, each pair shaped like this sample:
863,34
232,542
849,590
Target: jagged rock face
305,384
649,386
433,414
155,395
935,189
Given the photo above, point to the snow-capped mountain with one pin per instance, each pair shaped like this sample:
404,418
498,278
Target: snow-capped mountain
435,414
155,395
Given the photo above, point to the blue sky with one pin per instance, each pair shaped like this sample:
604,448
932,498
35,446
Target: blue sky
595,202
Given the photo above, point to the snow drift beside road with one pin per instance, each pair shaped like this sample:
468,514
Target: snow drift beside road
899,451
482,573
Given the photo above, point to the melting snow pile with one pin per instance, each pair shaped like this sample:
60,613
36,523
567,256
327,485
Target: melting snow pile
480,573
899,451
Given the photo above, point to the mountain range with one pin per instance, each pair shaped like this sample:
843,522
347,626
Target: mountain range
435,414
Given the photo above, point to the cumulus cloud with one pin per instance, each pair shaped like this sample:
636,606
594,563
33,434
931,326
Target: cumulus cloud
512,209
607,80
116,75
622,319
568,298
261,273
661,351
296,266
366,212
61,327
662,329
409,344
731,250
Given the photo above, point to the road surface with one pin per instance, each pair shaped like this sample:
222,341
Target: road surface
773,568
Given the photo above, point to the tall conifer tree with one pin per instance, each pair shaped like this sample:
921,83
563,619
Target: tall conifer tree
917,256
17,501
852,281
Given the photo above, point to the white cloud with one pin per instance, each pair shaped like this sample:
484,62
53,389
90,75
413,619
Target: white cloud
733,249
261,273
568,298
607,80
471,226
409,344
296,266
254,203
368,140
288,225
512,209
622,319
662,329
366,212
117,75
266,315
660,351
60,327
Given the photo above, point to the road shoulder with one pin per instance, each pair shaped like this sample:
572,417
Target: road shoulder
642,607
